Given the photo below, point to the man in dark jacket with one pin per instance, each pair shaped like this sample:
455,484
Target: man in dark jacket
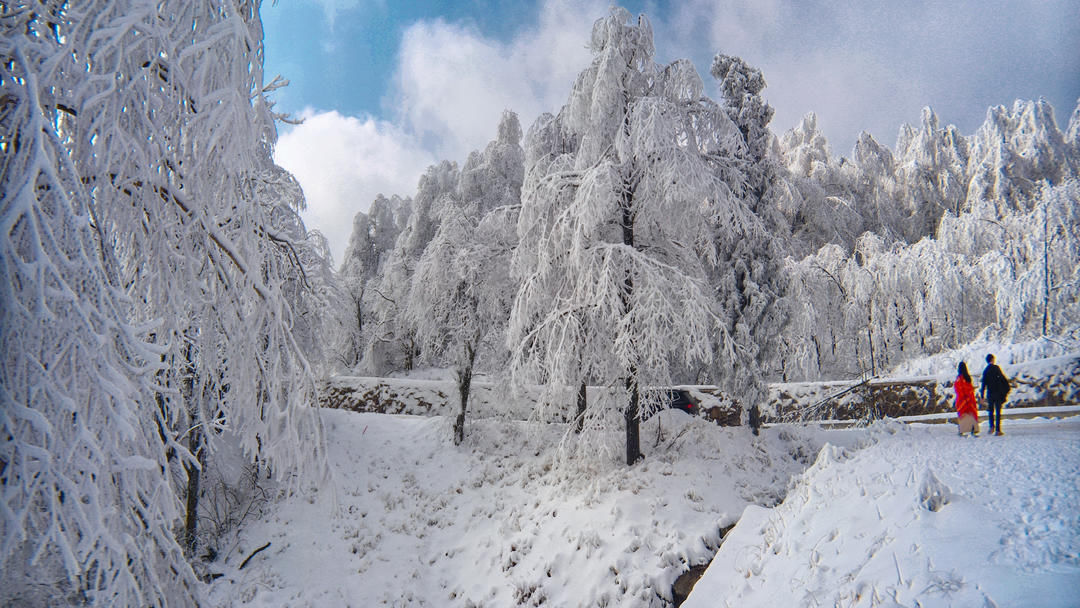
995,389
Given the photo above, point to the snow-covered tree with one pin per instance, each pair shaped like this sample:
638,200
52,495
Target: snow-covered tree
373,237
812,194
175,134
390,338
489,181
741,85
309,283
370,245
493,178
1031,263
88,509
622,218
932,172
816,343
1013,152
455,301
1011,278
444,303
1059,240
461,291
1072,131
167,135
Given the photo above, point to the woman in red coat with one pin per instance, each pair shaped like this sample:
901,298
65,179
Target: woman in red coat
965,401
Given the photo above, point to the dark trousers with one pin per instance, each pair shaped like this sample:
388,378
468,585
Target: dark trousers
993,412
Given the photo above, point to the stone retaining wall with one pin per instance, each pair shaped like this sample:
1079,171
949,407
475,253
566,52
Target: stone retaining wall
1046,383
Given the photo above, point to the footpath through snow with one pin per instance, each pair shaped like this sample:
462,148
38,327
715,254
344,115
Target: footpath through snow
412,520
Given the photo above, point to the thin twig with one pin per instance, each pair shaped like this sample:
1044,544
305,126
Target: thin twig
253,553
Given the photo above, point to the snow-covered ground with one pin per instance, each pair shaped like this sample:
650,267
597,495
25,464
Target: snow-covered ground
502,520
411,520
918,518
1007,354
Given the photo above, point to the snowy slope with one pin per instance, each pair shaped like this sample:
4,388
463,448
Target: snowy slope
500,521
411,520
919,518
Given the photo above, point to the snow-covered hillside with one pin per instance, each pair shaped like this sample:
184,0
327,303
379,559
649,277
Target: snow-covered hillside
919,518
502,520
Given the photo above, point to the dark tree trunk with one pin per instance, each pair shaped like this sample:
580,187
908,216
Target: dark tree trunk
464,378
1046,272
195,446
870,341
191,514
582,403
410,352
633,431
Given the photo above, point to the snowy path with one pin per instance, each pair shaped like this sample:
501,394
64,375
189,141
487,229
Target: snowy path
921,518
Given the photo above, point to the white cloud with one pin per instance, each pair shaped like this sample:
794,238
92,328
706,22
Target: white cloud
343,163
452,83
451,87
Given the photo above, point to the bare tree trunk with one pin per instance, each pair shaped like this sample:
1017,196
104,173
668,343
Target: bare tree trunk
191,512
870,341
464,378
353,359
582,403
195,446
1046,270
633,430
410,352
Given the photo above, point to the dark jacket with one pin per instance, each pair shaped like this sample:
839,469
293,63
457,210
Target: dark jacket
995,386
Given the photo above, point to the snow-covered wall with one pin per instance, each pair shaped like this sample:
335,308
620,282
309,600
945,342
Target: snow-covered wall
1042,383
423,397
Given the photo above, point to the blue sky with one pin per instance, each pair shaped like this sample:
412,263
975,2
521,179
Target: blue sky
389,87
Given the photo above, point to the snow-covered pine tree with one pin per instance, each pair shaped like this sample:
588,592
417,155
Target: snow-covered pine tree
622,216
749,279
740,86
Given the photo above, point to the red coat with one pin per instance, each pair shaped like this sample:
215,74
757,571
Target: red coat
965,398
